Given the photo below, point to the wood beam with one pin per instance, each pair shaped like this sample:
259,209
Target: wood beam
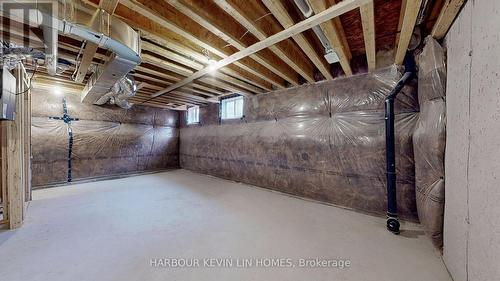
170,78
187,72
410,17
140,86
401,18
368,22
335,33
190,31
198,57
280,13
16,154
446,17
145,99
197,66
214,20
89,51
108,5
286,52
334,11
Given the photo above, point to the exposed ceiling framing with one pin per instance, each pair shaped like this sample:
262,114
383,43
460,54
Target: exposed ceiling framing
259,45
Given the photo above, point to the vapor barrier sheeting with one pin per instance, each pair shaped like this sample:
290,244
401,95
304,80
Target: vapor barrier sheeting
107,141
324,141
430,139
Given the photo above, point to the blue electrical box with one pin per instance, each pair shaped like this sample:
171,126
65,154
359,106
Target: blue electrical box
7,95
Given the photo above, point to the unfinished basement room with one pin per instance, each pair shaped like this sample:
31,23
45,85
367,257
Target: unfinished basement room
267,140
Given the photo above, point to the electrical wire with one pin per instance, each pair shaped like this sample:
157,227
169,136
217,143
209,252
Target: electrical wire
247,31
31,79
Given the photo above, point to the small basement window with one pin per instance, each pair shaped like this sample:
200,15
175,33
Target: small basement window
193,115
232,108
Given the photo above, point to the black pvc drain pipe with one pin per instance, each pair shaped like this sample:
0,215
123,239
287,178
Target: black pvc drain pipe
390,150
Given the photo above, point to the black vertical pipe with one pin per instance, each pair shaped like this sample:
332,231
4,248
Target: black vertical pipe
390,149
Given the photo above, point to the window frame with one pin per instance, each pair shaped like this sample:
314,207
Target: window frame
196,110
223,107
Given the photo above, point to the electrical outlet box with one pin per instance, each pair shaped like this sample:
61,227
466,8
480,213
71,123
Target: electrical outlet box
7,95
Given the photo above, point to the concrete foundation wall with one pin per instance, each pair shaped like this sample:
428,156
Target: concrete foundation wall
472,209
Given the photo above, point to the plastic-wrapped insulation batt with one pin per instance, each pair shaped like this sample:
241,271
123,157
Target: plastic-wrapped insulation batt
429,140
324,141
107,140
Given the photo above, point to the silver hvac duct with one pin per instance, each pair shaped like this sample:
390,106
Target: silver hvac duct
110,33
119,94
307,11
105,30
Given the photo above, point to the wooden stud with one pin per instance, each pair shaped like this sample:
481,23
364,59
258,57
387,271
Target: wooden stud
401,18
448,14
108,5
88,55
368,22
410,17
16,180
27,137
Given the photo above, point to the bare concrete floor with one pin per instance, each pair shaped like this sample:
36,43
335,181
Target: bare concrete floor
111,230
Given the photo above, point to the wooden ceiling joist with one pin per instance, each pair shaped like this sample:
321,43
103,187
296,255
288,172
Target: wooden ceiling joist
198,57
148,89
286,51
257,46
214,19
187,72
88,54
143,75
410,17
108,5
189,30
144,99
335,34
401,18
368,22
172,78
446,17
281,14
334,11
197,66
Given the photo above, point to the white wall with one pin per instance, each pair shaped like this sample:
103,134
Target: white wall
472,209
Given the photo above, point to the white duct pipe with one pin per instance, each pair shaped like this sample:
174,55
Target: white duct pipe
50,40
306,9
130,53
